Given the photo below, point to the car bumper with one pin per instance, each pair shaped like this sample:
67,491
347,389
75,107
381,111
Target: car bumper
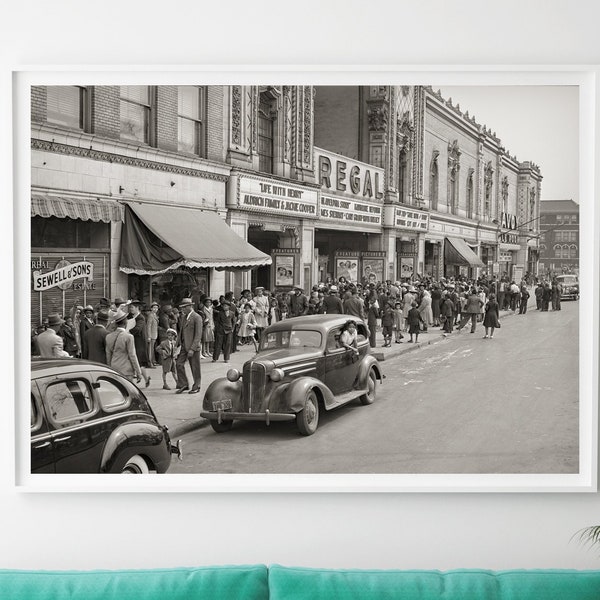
265,417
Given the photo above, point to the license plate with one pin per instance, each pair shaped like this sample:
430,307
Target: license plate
222,405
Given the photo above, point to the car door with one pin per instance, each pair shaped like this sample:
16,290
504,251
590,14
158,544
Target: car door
71,411
42,450
339,366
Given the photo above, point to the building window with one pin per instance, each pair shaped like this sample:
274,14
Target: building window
190,112
559,219
470,194
67,105
403,177
135,106
488,183
53,232
265,135
453,170
434,181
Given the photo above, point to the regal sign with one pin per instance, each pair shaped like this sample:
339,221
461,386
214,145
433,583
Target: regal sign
345,176
62,276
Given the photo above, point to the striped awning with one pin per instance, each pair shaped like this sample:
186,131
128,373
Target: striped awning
86,209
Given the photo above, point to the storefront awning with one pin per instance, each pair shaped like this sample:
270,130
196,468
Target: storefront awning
86,209
157,238
458,252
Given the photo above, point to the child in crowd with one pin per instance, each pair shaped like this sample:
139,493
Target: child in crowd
414,323
168,350
398,321
387,325
247,326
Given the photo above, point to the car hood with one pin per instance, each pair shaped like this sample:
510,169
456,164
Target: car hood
287,355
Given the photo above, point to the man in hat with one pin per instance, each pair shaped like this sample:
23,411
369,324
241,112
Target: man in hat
354,305
95,339
50,344
87,322
298,303
191,346
137,328
120,306
120,349
152,332
224,320
332,304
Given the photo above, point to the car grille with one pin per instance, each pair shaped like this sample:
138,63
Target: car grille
255,379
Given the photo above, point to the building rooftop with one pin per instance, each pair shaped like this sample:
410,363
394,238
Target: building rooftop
557,206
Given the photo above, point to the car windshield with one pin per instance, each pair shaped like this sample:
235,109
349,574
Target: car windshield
295,338
568,279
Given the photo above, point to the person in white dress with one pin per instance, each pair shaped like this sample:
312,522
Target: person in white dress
261,311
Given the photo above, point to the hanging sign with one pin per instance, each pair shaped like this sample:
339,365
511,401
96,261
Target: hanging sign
63,275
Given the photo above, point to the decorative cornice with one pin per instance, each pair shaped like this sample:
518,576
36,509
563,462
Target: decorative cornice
120,159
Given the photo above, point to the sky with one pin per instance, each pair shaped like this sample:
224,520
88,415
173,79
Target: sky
535,123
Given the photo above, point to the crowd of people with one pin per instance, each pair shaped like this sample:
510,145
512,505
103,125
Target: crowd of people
132,340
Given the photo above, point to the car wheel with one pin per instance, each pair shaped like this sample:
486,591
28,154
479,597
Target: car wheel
369,397
221,427
308,418
136,465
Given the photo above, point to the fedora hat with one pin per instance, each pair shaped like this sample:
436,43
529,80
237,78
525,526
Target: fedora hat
102,316
186,302
136,302
121,316
55,319
88,308
119,301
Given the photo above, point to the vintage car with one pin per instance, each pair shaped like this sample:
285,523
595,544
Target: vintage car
86,418
570,287
299,370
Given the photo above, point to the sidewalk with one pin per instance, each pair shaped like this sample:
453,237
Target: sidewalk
180,412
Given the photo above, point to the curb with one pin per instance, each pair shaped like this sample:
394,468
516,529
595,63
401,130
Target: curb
187,426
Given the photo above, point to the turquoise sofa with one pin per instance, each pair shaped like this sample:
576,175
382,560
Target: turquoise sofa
258,582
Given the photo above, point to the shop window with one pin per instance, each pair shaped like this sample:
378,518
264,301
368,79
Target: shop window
67,105
135,110
265,135
190,121
53,232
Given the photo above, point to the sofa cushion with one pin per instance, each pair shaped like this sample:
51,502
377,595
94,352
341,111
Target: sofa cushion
323,584
216,583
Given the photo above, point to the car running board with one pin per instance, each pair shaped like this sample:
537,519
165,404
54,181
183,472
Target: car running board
345,398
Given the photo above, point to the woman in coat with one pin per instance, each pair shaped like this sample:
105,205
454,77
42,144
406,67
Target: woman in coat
425,310
407,300
414,322
436,301
492,312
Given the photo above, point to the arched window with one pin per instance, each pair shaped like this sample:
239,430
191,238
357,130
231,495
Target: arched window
488,180
403,176
470,194
453,170
266,119
434,181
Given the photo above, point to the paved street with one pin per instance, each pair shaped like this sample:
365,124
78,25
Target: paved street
460,405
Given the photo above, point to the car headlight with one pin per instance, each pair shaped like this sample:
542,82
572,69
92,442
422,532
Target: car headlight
277,375
233,374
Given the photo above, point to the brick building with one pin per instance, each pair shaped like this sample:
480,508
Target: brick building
163,191
559,237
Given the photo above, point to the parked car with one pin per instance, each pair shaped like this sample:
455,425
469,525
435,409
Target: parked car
300,369
86,418
570,287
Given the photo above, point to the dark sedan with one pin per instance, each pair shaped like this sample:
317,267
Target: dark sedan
86,418
301,368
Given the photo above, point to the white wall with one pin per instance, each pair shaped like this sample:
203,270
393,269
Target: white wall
442,530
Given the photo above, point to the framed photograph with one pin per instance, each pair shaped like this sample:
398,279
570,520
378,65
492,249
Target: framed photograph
284,270
319,170
346,266
373,269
